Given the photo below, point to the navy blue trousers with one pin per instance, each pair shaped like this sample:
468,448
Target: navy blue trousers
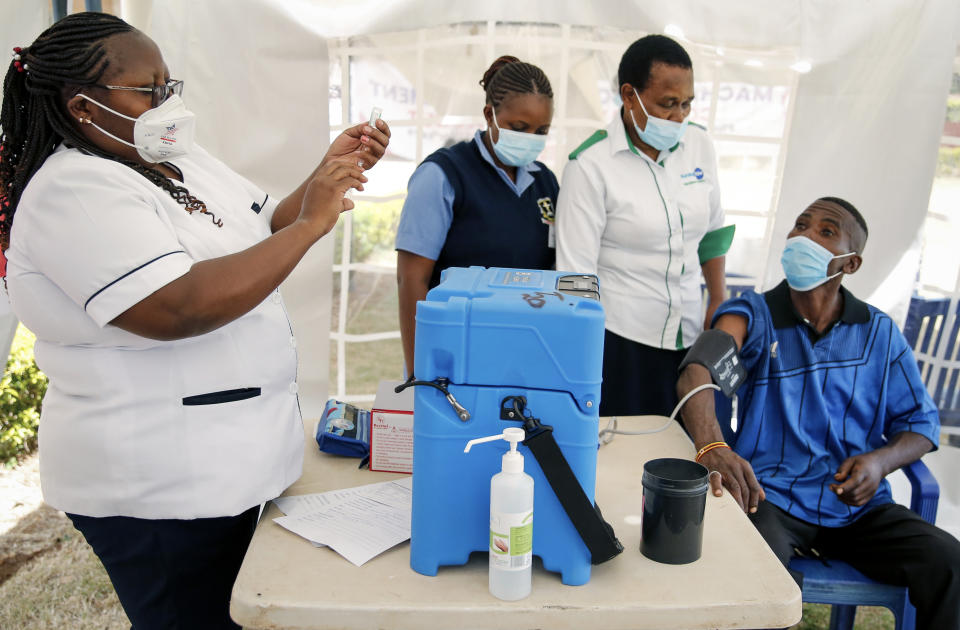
638,380
172,574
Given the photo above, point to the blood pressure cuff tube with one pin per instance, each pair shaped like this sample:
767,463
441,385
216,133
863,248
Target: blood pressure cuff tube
716,350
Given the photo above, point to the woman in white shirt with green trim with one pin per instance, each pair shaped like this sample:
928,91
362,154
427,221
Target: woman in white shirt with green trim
639,206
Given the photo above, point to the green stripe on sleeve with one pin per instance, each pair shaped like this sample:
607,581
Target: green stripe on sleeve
715,243
597,136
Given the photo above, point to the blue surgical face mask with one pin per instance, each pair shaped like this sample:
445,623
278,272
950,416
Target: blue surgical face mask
661,134
516,148
805,263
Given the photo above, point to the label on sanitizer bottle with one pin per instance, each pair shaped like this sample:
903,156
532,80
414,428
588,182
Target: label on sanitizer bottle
511,540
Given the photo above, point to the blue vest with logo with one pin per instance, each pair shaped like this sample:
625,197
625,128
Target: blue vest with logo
491,226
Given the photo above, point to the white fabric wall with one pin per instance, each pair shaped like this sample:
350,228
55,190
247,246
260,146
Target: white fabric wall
866,127
257,80
20,24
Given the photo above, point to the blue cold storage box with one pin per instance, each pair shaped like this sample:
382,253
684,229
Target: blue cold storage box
496,333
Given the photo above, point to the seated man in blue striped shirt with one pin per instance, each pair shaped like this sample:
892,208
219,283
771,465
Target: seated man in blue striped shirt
832,403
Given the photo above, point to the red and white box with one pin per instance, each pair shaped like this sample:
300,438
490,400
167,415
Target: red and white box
391,429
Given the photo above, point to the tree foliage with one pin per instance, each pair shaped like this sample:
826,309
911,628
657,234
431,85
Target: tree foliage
21,392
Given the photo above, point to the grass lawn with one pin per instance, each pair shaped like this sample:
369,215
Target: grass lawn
64,586
817,617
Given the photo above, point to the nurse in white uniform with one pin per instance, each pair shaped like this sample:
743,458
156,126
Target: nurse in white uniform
149,272
640,208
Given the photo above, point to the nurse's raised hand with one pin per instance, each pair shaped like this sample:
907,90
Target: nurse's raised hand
361,144
324,198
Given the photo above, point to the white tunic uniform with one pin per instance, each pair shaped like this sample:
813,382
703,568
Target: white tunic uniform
638,224
200,427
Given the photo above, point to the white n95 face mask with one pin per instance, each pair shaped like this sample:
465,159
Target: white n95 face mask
159,134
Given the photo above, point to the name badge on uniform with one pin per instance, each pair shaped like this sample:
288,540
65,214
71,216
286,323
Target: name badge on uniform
547,216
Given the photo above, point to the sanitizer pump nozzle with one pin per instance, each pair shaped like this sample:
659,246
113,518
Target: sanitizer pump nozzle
512,460
511,521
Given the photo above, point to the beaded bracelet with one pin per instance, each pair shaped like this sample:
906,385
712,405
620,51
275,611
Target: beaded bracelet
709,447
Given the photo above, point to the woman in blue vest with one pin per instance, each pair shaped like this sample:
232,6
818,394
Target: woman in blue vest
485,201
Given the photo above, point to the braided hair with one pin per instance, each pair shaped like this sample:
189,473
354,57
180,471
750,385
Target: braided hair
34,119
509,75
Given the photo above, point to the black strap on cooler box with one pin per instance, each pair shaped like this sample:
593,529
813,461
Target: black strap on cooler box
597,534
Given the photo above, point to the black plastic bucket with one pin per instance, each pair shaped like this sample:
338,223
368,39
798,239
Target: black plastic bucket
674,499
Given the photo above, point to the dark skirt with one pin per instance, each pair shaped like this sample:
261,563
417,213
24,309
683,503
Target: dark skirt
638,380
172,573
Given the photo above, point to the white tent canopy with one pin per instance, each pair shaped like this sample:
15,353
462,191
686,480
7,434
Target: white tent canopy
864,119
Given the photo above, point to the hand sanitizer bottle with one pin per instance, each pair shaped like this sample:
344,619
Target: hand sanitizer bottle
511,521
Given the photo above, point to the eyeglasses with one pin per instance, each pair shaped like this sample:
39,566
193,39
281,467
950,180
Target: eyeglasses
160,93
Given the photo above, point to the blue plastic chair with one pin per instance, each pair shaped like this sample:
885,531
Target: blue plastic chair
925,330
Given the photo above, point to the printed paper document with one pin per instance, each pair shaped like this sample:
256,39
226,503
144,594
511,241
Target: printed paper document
358,523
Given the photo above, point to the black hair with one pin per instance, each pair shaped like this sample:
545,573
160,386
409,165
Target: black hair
642,54
509,75
66,57
846,205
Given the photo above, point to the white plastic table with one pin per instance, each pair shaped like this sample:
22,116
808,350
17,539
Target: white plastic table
737,583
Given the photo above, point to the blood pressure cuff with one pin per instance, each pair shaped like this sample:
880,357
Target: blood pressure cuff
716,350
344,430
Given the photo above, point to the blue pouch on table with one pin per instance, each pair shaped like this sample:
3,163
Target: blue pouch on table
344,430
